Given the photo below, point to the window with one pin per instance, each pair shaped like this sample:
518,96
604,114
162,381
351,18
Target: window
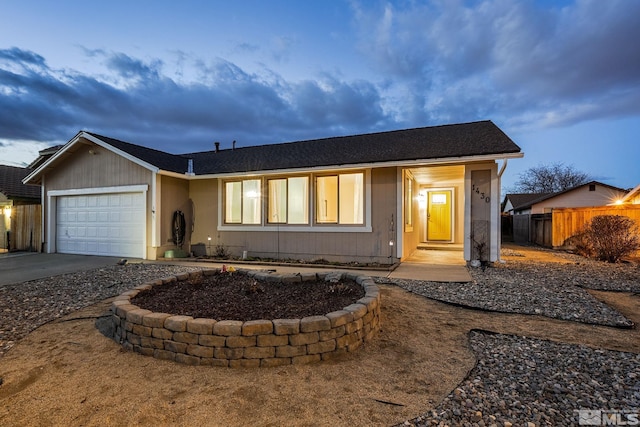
288,200
242,202
340,199
408,203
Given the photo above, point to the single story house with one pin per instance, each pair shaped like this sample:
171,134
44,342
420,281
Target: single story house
366,198
590,194
14,193
515,202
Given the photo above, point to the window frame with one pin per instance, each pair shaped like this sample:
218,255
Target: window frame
287,208
243,213
364,198
312,225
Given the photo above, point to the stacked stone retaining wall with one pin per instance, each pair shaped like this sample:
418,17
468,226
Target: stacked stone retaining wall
254,343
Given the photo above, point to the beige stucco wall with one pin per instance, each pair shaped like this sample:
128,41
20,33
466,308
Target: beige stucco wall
338,246
174,196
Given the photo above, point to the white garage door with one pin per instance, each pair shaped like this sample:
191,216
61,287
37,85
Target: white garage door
101,224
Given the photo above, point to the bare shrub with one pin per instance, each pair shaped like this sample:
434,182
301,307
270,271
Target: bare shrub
611,237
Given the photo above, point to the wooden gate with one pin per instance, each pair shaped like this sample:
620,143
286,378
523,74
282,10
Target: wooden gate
26,228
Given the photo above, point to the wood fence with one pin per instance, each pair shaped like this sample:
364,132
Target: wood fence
26,228
568,222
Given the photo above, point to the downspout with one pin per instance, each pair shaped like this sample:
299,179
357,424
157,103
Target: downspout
502,168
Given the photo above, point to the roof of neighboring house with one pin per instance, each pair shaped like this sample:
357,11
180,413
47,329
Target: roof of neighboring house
455,141
524,200
43,156
542,197
635,191
11,183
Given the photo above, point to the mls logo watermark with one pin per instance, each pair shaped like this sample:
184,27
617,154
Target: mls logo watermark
600,417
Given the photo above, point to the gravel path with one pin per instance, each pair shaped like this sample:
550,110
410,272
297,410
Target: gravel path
517,380
556,290
530,382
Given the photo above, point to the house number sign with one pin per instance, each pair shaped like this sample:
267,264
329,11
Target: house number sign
480,193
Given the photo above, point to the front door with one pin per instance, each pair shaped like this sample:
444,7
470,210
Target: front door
439,215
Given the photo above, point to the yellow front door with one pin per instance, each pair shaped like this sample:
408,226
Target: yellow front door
439,215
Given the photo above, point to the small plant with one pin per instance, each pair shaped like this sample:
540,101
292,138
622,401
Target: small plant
220,251
253,288
610,238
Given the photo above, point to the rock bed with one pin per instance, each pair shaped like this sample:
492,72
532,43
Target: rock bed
25,306
549,289
531,382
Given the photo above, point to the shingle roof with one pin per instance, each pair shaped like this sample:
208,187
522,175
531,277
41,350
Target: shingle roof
525,200
11,183
437,142
160,159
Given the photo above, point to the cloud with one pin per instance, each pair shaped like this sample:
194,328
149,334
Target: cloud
516,61
134,100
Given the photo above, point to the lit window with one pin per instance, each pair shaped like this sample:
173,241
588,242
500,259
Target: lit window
242,202
340,199
289,200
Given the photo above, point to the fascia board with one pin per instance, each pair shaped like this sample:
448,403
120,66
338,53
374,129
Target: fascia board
96,141
119,152
404,163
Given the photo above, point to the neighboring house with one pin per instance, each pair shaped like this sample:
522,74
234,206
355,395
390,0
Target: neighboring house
520,203
13,193
632,197
366,198
592,193
43,156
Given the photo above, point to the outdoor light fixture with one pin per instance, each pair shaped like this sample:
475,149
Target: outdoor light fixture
7,211
390,242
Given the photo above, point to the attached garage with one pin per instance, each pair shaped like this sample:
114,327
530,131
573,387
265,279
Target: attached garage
108,224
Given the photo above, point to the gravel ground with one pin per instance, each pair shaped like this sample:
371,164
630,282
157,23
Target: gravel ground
25,306
517,380
531,382
522,381
549,289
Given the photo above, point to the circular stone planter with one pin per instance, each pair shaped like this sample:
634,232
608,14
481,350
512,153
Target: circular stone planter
254,343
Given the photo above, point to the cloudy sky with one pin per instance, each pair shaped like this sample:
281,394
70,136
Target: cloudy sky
561,78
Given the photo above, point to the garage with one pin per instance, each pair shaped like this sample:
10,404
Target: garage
110,224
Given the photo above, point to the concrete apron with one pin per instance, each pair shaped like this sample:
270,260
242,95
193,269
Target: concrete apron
433,266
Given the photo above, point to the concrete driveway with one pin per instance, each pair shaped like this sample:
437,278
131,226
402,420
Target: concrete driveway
24,266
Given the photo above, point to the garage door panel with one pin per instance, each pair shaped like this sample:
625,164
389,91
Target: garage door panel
102,224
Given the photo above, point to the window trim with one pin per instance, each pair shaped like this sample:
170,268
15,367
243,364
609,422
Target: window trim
312,226
223,201
366,183
267,199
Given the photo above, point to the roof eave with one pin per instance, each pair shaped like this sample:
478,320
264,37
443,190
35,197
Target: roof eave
397,163
34,177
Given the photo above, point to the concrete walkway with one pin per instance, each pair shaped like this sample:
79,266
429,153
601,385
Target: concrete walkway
433,266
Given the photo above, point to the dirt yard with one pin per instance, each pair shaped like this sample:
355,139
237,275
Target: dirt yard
67,373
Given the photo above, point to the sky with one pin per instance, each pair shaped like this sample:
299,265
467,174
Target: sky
561,78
